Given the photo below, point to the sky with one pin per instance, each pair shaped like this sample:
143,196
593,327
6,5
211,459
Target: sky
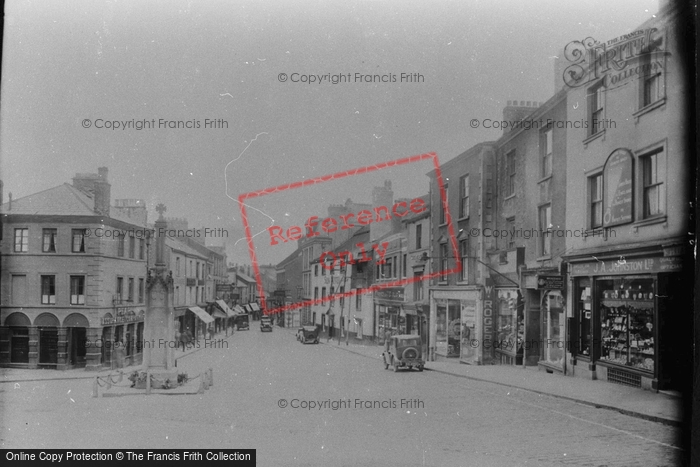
72,68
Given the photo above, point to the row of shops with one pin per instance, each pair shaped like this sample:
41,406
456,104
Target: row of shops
115,341
614,318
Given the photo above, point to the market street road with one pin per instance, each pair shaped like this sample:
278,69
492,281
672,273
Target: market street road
264,386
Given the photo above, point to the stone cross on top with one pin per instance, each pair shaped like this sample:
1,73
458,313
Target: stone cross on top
161,209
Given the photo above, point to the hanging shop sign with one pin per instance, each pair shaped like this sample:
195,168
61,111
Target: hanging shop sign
550,282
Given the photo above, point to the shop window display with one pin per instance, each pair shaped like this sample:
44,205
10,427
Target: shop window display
508,322
454,328
441,326
583,315
627,322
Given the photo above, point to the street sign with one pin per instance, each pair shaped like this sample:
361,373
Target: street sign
550,282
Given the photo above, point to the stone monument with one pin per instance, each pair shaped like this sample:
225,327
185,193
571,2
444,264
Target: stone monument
159,329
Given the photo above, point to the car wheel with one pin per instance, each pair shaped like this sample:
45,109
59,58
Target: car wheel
420,368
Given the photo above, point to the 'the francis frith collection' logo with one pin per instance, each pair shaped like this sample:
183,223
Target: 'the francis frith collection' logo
615,61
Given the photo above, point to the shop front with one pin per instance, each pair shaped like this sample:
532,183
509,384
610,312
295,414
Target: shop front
455,332
121,338
389,312
628,316
509,326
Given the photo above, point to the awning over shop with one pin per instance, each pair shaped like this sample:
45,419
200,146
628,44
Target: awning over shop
254,307
216,313
224,307
239,310
201,314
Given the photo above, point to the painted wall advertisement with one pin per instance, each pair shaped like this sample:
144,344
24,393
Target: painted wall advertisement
617,193
487,323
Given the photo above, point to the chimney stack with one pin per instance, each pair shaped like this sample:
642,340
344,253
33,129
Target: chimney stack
517,111
103,192
10,206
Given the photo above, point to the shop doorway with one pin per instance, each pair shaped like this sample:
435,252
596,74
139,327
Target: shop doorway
76,335
48,340
18,324
106,350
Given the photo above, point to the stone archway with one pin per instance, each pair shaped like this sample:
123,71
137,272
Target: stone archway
15,331
47,325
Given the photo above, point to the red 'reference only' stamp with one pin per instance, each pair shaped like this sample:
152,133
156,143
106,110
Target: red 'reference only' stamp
277,235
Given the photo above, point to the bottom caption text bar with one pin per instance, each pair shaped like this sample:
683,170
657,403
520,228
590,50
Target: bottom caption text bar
132,457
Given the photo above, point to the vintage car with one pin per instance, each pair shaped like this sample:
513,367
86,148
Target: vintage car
241,322
405,351
265,324
307,334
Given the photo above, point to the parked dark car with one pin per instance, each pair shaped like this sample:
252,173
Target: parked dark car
404,352
308,334
265,324
242,322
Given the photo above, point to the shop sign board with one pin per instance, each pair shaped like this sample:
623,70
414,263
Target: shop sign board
390,293
628,266
550,282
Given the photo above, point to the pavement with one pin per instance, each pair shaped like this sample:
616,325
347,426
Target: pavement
661,407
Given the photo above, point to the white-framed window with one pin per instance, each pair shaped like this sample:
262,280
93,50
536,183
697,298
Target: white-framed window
21,240
596,108
464,196
653,183
444,207
510,226
142,290
595,190
510,173
120,289
48,290
545,227
464,256
546,168
77,290
443,262
49,240
130,290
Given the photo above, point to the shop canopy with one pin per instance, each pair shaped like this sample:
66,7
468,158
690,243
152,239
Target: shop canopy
201,314
216,313
222,304
254,307
238,309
